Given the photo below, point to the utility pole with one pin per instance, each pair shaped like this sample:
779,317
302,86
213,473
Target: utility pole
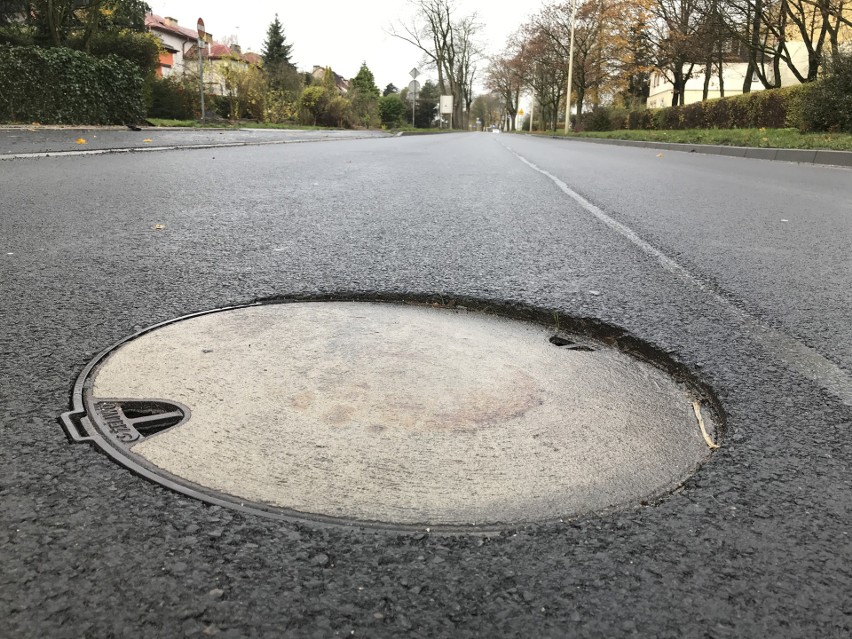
413,88
532,103
201,33
570,69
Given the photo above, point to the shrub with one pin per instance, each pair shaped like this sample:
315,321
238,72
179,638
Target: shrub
391,110
597,120
173,98
808,107
142,49
62,86
828,104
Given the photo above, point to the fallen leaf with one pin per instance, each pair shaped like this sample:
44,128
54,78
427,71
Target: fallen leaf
659,155
159,227
81,141
147,140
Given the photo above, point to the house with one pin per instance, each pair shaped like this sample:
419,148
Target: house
180,53
176,42
734,70
218,60
340,82
735,66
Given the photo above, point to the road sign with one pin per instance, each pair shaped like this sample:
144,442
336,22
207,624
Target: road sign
520,111
414,86
446,104
200,29
414,72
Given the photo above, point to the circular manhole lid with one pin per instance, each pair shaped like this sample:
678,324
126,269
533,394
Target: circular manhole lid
389,414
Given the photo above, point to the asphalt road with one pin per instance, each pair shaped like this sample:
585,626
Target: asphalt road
739,269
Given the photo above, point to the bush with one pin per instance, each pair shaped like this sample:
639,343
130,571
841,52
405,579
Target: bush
597,120
142,49
828,105
62,86
806,107
391,110
174,99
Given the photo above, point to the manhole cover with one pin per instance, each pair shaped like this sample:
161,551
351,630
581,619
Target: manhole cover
389,414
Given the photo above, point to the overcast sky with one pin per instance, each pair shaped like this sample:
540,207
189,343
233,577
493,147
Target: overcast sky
336,33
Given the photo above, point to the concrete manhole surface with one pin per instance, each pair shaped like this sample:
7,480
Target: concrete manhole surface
389,414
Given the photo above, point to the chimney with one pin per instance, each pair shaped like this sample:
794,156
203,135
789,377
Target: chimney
170,22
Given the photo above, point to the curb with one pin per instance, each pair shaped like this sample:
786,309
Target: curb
406,134
803,156
176,147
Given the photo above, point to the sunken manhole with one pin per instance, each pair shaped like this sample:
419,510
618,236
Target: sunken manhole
389,414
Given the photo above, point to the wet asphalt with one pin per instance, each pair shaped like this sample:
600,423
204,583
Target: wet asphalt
754,302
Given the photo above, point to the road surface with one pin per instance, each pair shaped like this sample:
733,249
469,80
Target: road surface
739,269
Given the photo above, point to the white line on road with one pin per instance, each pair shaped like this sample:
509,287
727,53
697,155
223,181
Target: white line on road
798,356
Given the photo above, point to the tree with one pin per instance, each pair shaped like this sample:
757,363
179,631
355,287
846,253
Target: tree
245,88
390,89
448,45
280,72
506,75
427,105
59,23
365,82
364,97
276,52
675,33
313,102
487,107
391,109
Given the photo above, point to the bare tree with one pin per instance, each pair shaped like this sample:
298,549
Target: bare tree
507,75
448,45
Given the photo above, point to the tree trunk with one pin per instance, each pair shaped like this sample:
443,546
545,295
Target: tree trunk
708,71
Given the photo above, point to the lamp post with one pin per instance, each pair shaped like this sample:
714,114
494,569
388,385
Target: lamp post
570,68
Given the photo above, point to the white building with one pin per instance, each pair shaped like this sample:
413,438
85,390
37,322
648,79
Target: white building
662,91
176,40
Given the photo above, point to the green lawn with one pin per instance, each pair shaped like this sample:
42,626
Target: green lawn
768,138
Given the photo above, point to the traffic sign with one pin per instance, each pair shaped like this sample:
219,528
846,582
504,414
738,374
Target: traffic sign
414,72
200,29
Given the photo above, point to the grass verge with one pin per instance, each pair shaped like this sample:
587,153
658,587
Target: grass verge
764,138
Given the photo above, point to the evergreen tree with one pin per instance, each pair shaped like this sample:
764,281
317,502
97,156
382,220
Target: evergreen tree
365,82
364,97
391,88
276,52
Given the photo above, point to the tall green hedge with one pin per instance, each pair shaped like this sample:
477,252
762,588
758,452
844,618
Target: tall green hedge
63,86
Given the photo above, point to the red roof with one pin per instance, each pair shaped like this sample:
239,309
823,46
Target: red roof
156,22
215,50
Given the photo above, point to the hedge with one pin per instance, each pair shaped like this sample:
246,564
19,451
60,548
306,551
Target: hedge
63,86
774,108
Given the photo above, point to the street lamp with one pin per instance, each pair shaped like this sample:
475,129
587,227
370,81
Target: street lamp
570,68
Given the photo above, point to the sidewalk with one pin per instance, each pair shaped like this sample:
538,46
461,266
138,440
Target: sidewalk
39,141
804,156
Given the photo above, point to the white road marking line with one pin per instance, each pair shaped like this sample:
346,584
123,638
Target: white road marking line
801,358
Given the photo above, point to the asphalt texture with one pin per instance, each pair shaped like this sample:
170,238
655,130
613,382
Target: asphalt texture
756,543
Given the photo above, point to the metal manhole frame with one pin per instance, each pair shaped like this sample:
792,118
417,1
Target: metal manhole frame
79,427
